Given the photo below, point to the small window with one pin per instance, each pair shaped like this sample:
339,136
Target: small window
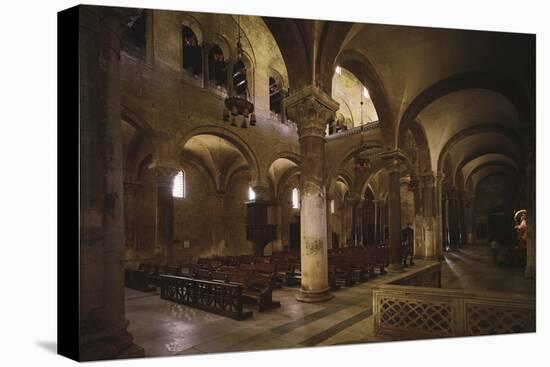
332,206
217,66
251,194
192,51
295,199
338,70
275,95
178,186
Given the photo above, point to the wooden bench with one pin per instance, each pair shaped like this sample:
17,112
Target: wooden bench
217,297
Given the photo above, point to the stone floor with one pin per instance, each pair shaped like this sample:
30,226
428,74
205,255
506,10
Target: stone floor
472,268
165,328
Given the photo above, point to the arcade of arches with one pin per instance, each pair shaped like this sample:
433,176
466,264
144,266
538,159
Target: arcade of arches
361,131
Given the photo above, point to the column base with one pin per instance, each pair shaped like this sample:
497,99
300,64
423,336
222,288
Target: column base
117,346
314,296
395,268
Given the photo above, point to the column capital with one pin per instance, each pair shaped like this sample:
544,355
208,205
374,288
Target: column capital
311,109
394,158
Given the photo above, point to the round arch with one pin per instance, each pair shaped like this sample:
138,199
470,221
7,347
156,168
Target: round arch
233,138
499,83
362,68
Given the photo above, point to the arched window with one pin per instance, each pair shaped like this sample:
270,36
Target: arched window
217,66
134,39
251,194
192,51
332,206
275,95
295,199
240,83
178,185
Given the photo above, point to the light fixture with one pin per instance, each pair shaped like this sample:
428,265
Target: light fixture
238,107
338,70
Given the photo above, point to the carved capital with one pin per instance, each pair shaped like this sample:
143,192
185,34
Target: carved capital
395,159
311,109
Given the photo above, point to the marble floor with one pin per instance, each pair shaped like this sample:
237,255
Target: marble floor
164,328
472,268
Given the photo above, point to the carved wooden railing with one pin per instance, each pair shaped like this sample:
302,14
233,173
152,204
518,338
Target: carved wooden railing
422,312
216,297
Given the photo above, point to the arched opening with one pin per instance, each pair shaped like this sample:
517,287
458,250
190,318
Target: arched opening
134,39
240,82
191,51
217,67
275,95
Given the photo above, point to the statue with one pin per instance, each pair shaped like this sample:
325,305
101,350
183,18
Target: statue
521,228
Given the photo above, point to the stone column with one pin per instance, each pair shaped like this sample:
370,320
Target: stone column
376,221
439,222
103,326
382,222
394,160
164,177
329,221
360,222
427,247
353,206
311,109
130,215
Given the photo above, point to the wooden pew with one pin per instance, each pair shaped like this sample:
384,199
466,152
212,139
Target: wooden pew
217,297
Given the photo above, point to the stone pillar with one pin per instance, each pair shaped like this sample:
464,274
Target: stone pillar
360,222
103,326
376,221
382,222
394,160
439,222
164,227
130,215
311,109
329,221
353,207
428,232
